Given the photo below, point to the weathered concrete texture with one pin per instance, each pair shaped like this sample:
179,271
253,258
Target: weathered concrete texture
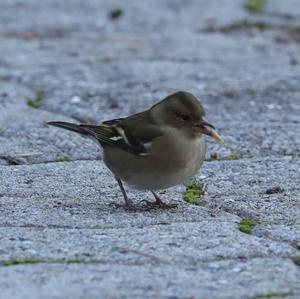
242,188
60,234
190,244
138,16
252,179
43,222
218,279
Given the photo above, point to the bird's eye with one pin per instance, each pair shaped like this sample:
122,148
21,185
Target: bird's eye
185,117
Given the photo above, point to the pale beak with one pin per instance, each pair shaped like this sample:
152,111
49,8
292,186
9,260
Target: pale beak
208,129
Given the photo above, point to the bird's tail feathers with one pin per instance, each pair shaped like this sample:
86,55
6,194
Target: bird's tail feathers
68,126
102,133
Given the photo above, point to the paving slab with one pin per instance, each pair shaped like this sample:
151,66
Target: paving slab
58,214
223,279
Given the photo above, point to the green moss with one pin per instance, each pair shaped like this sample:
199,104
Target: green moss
274,295
296,245
36,101
80,261
16,262
296,154
296,260
22,262
193,193
63,159
238,26
255,6
295,29
116,13
246,226
33,104
40,95
225,158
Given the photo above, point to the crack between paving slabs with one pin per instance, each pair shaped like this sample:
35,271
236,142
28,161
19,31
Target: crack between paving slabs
125,250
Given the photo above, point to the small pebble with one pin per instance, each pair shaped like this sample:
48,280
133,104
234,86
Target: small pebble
116,13
274,190
75,100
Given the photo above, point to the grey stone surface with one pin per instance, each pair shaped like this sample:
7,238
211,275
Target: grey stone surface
53,215
60,235
231,279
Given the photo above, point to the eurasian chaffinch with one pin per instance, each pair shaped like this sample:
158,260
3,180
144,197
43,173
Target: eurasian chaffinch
154,149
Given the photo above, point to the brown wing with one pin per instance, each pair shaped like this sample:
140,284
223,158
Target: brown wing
135,131
130,134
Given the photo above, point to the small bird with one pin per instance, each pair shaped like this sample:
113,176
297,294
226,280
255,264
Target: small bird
154,149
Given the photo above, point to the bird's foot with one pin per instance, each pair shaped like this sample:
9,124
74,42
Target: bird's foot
159,205
130,207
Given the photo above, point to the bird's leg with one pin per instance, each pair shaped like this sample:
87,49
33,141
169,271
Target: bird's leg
159,203
128,203
127,200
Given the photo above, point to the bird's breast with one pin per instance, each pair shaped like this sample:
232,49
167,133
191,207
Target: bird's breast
171,161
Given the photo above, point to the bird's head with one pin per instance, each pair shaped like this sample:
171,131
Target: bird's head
184,112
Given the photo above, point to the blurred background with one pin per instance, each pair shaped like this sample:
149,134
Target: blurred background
94,60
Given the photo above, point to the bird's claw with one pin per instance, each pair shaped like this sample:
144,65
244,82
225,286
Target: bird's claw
159,205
